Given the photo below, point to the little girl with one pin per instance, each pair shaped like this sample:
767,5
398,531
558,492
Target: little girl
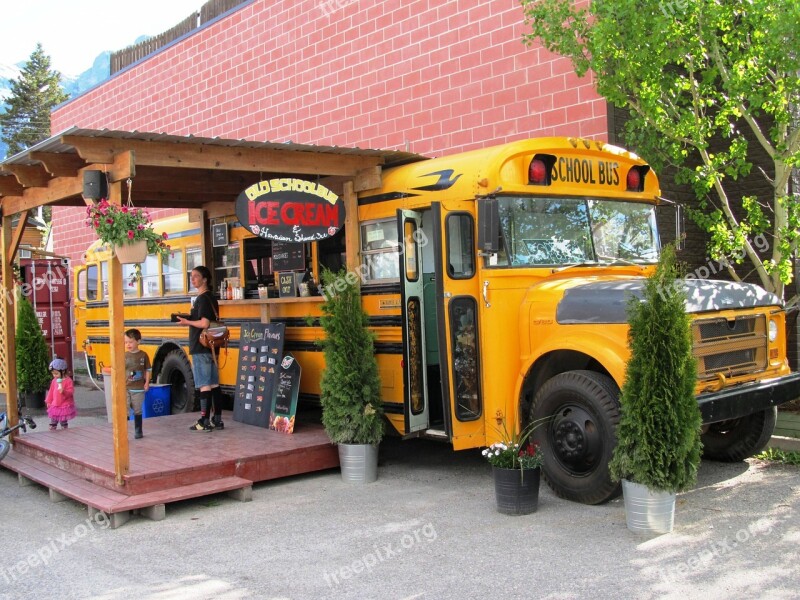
60,397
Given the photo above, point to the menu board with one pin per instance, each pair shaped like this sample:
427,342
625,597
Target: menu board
288,256
286,285
219,235
284,408
260,352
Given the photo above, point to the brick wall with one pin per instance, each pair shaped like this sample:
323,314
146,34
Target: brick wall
428,76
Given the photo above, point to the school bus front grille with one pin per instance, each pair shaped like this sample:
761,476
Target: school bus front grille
731,347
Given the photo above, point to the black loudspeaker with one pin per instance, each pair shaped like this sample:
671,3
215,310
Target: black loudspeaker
95,185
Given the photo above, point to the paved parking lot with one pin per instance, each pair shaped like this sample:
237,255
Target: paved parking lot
426,529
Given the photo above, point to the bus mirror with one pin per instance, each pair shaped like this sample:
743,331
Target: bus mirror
488,226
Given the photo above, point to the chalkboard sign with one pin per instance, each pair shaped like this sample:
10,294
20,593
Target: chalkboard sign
219,235
260,353
287,287
288,257
287,389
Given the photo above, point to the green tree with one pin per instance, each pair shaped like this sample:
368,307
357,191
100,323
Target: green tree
696,76
33,354
659,428
33,95
352,412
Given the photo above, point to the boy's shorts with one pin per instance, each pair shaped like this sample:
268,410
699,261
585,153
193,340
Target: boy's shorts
204,370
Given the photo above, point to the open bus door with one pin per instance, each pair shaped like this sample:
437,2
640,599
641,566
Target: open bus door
415,403
457,311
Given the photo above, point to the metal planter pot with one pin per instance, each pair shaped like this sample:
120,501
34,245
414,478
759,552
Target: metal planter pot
359,463
516,491
646,511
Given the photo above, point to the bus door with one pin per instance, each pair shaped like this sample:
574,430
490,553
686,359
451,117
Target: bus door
415,407
457,310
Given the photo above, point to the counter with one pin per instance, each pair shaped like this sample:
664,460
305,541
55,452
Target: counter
265,303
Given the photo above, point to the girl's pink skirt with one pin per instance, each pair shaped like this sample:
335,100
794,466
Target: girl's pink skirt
65,412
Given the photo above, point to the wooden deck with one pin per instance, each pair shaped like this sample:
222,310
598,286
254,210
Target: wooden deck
170,463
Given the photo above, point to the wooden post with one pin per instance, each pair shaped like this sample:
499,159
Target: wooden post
351,228
116,319
9,309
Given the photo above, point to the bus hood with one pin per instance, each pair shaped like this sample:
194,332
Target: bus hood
606,301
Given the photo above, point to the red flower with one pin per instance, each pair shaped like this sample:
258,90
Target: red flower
130,235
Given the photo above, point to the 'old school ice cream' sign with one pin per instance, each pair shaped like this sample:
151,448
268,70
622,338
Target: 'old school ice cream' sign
290,210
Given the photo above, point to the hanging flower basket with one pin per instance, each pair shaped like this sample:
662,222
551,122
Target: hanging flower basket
133,253
126,229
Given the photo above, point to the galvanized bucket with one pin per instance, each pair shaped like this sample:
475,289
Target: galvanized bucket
646,511
359,462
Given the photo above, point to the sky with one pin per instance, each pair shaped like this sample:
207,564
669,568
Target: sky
74,32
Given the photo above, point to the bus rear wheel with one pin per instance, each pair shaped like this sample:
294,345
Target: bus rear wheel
579,435
177,371
736,439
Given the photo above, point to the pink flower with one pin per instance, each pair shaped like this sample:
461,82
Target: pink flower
164,235
124,209
130,235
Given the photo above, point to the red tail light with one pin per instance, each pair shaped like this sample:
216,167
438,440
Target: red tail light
634,180
537,172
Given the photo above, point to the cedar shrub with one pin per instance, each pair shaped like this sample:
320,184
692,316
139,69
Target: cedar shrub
352,412
659,430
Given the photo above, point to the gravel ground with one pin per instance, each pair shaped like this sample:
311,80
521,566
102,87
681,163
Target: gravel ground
426,529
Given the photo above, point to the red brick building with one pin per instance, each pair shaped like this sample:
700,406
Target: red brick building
428,76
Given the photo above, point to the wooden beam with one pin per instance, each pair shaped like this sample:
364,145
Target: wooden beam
367,179
16,237
8,307
9,186
225,158
29,176
60,188
59,164
122,167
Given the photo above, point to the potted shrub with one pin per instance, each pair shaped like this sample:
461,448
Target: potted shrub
352,412
658,448
33,356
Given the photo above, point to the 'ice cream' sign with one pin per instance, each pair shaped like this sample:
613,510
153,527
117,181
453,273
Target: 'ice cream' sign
290,210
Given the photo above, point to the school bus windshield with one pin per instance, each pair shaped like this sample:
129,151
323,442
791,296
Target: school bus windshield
564,231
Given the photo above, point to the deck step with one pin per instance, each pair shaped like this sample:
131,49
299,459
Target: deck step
109,501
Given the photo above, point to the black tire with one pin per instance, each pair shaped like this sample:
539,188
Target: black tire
177,371
5,446
736,439
580,435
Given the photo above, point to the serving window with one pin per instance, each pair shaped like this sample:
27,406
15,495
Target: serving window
380,251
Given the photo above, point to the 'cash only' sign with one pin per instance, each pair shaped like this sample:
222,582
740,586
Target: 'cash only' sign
290,210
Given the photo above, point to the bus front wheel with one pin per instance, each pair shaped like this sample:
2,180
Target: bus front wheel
577,439
177,371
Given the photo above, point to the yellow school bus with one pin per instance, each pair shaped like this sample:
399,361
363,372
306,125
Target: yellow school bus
495,282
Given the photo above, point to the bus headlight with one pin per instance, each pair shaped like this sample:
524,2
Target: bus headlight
773,331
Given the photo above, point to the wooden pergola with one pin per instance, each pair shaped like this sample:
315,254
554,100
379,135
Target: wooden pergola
199,174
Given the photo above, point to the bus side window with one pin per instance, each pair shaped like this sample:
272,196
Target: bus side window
103,280
130,281
460,246
194,258
150,276
173,275
90,281
380,251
